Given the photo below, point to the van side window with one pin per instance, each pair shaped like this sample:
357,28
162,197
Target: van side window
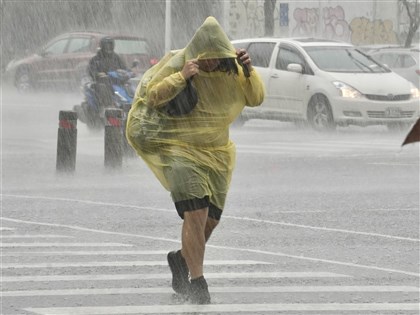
261,53
286,57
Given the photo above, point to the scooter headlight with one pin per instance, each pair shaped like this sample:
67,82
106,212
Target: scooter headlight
120,97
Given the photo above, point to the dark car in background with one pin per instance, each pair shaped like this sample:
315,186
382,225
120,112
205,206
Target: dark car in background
63,60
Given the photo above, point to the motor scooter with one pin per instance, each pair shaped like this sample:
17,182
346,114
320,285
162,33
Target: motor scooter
92,111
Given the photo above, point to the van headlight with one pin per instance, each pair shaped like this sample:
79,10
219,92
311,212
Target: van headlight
414,92
346,90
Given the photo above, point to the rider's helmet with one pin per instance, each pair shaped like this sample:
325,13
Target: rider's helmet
107,45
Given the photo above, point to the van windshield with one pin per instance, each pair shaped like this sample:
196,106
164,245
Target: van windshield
344,59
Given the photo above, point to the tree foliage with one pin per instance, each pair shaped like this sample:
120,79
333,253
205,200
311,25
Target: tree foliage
413,12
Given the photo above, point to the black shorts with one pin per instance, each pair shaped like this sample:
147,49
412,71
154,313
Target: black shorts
195,187
198,203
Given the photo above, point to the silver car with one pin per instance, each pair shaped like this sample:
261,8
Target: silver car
328,83
403,61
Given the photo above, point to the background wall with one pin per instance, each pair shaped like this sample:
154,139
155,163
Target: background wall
359,22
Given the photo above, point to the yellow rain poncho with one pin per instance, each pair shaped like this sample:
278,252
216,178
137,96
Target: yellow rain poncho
197,143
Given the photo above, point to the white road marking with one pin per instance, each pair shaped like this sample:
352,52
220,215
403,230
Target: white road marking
249,250
64,245
86,253
6,229
224,308
336,144
323,228
156,276
141,263
280,149
390,210
394,164
230,217
255,289
34,236
90,202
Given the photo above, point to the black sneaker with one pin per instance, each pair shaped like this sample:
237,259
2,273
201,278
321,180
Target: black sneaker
199,291
179,269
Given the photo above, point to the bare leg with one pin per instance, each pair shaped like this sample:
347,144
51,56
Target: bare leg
210,226
194,240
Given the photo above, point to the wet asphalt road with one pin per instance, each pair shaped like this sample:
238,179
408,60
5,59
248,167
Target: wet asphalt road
314,224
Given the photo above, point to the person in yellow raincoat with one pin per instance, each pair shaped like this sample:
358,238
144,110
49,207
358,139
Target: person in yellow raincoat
192,155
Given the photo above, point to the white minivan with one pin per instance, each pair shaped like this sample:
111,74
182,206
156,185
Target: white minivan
328,83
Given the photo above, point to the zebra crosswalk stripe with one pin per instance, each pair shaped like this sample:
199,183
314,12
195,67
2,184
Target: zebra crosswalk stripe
225,308
254,289
64,245
151,276
85,253
34,236
123,264
3,228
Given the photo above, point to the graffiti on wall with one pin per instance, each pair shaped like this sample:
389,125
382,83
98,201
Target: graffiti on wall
366,32
335,24
332,23
307,21
247,20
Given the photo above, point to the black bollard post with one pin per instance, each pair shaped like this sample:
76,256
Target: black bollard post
127,149
113,138
66,141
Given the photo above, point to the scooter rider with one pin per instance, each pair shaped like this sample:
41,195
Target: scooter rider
104,61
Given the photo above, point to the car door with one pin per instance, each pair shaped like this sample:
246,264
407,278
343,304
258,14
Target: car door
49,67
286,89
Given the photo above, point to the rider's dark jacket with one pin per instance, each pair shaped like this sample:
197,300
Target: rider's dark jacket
104,63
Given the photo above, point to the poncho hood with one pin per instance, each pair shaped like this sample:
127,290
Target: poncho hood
209,41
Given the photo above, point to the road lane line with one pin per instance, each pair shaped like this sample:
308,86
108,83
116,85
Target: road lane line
390,210
6,229
224,308
231,248
284,149
90,202
13,245
394,164
345,231
85,253
255,289
339,144
141,263
158,276
322,228
34,236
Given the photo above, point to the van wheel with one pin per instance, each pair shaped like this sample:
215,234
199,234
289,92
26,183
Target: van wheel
320,116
